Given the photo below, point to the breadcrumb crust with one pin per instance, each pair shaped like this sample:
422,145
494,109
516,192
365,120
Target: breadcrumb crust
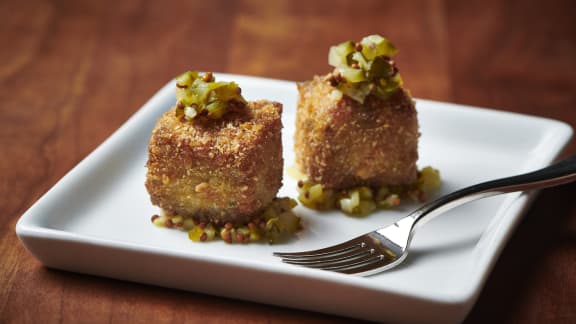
341,143
217,171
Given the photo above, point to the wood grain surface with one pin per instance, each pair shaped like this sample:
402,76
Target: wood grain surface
71,72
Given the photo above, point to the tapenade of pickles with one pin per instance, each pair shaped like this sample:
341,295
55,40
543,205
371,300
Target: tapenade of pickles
364,68
199,95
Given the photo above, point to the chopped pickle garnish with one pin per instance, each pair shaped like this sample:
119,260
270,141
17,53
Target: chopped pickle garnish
199,95
276,223
338,55
429,179
315,196
376,45
363,200
364,68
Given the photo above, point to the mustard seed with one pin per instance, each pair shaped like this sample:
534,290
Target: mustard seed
208,77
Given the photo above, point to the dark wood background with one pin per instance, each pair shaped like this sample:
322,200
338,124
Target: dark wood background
71,72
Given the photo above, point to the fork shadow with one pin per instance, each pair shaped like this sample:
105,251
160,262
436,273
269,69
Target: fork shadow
421,254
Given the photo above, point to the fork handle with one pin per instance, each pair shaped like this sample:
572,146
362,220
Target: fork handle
553,175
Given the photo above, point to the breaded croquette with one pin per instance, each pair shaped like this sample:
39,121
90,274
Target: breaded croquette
356,140
217,171
341,143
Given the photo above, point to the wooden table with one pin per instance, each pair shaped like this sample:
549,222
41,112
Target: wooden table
71,72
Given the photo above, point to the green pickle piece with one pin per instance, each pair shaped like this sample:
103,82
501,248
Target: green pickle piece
186,78
352,75
201,95
380,68
338,55
376,45
363,63
365,68
280,220
357,91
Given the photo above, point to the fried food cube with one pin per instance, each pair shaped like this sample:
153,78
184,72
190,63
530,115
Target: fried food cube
217,171
342,143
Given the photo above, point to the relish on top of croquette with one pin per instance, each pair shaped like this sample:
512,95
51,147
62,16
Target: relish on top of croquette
216,159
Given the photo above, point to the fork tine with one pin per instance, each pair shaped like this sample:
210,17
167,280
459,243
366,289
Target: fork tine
328,251
356,256
354,266
371,260
331,259
314,255
368,267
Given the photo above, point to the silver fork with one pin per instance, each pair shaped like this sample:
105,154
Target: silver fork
387,247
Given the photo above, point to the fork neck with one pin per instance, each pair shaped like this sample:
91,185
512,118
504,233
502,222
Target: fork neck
557,174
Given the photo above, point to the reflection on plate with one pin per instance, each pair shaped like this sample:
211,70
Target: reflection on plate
97,219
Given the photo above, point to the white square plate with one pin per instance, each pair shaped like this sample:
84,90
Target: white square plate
96,219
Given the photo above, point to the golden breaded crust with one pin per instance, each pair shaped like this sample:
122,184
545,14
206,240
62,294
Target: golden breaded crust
217,171
341,143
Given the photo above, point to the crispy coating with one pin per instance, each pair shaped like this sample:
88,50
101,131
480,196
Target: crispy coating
341,143
217,171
